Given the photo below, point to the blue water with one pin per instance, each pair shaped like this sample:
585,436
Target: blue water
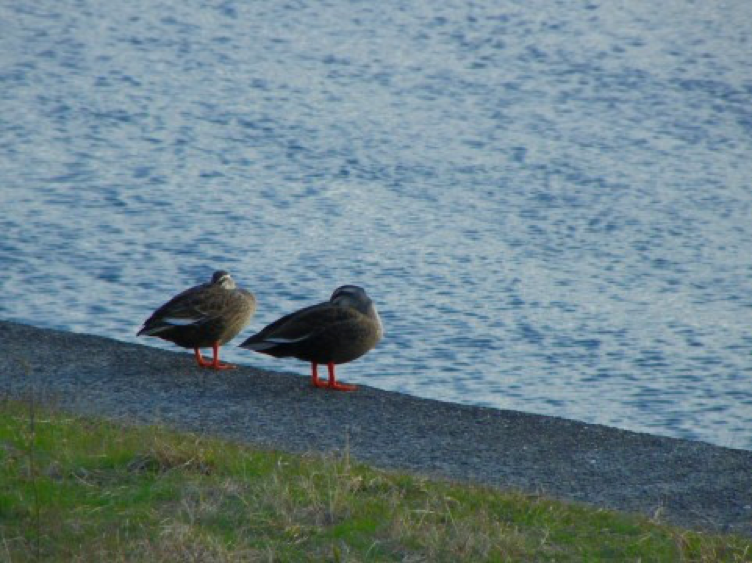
549,201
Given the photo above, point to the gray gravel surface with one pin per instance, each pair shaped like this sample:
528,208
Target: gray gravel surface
688,483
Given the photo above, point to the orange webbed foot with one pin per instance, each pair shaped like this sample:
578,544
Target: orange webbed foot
336,386
219,366
315,381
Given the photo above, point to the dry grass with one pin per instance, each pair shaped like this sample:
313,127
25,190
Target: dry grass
87,490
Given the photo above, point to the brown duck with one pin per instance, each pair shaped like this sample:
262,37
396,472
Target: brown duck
334,332
208,315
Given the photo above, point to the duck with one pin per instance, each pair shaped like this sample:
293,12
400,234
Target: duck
208,315
334,332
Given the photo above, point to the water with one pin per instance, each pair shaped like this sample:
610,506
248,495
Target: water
549,201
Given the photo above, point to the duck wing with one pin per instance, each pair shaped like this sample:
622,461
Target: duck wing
194,306
299,326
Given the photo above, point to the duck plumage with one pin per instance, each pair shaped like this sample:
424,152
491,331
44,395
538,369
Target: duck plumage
207,315
334,332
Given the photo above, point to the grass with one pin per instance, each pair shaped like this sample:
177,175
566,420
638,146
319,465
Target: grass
74,488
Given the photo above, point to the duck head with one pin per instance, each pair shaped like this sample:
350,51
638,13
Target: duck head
223,279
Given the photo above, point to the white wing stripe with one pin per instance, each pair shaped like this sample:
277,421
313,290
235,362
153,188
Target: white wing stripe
272,342
182,322
286,340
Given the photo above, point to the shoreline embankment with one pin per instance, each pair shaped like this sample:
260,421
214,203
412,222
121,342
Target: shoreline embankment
684,482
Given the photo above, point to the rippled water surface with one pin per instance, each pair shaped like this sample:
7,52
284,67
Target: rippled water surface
550,202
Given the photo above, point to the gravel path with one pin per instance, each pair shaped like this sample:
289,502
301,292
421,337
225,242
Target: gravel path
688,483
